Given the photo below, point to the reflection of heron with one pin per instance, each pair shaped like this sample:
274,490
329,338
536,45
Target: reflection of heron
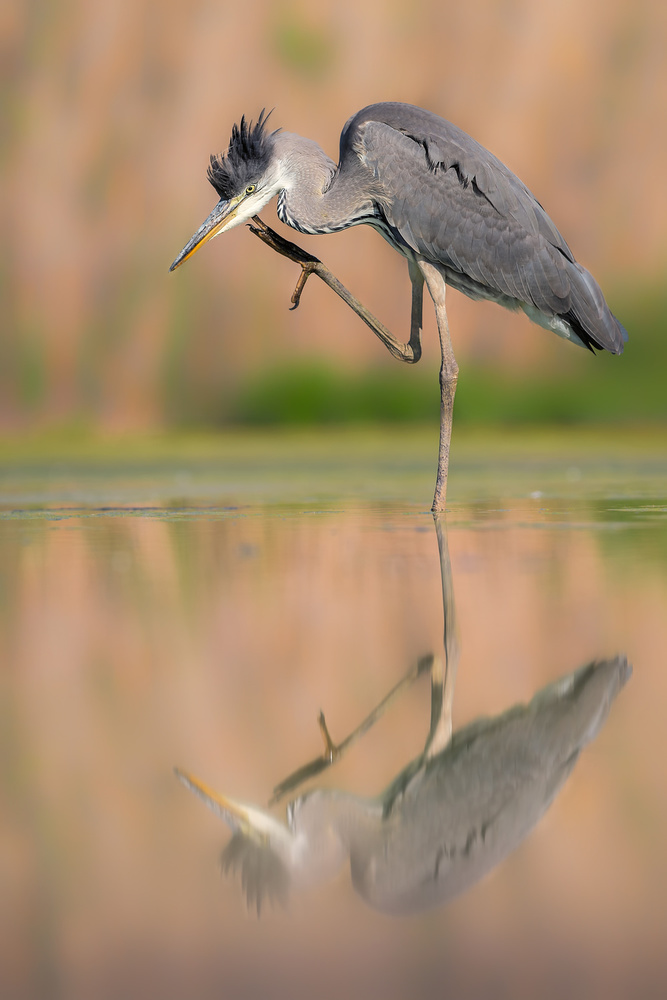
448,817
445,821
458,215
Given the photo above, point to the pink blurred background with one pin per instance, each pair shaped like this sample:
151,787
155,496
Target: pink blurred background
111,110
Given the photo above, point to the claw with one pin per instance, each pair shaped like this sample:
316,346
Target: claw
410,352
306,271
331,751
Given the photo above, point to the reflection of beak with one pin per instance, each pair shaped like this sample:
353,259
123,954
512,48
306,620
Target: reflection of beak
222,214
232,812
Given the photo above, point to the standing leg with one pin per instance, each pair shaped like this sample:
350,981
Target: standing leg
449,373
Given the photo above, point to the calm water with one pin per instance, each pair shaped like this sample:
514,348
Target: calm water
199,610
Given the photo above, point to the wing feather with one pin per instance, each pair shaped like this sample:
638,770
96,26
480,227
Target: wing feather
451,201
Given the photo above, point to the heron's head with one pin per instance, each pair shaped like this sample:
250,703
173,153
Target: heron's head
246,177
273,859
269,855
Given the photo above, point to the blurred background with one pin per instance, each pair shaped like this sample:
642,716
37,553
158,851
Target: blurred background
198,606
111,109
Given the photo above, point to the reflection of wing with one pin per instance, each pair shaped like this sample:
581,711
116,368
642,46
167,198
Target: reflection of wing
263,873
450,822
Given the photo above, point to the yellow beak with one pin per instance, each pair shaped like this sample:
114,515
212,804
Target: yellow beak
232,812
221,216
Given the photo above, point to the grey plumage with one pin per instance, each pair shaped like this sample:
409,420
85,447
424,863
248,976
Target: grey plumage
457,214
434,193
443,823
460,814
450,200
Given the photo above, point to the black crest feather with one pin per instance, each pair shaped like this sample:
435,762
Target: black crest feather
246,159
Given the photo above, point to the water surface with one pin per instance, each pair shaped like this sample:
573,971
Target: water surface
198,608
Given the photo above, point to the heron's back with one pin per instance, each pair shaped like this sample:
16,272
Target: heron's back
450,200
462,813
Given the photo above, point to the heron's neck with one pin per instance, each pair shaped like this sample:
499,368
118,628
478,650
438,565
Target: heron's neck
314,197
328,824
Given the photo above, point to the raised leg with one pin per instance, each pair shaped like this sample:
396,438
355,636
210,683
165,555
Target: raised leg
449,373
443,681
410,352
334,751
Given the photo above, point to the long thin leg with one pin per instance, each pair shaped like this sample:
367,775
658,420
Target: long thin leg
442,688
410,352
449,373
442,684
417,309
334,751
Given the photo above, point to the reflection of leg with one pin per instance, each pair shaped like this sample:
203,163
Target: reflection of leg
443,684
334,751
440,730
449,373
442,700
450,631
410,352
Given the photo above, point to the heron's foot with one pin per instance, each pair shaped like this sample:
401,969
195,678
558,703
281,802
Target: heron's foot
306,271
331,751
309,263
314,767
334,751
410,352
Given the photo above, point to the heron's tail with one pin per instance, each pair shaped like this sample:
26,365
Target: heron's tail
589,316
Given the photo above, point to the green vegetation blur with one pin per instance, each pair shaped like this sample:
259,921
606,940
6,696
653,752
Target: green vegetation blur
583,388
580,387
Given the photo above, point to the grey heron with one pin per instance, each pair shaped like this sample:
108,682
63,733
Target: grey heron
445,820
448,817
456,213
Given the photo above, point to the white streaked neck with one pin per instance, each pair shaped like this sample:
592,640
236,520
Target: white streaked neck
312,196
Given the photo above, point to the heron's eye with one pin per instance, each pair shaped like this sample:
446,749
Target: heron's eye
250,188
